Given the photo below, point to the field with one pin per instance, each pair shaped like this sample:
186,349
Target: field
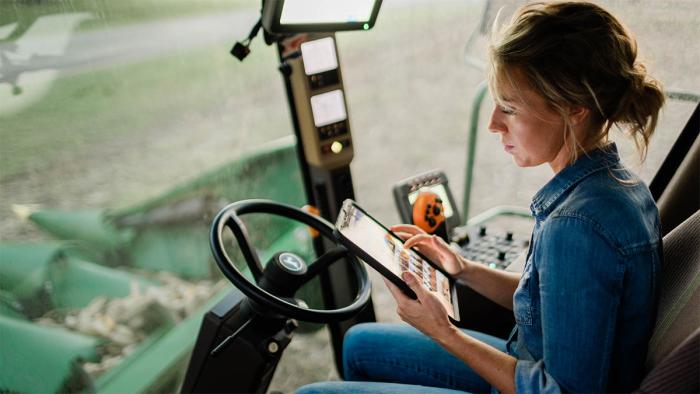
155,99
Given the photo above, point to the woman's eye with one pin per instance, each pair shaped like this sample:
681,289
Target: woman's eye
507,111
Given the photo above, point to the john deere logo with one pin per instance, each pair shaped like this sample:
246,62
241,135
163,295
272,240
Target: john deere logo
291,262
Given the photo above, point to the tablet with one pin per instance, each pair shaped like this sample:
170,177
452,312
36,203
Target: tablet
383,250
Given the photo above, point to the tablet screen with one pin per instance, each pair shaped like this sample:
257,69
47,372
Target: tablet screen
385,248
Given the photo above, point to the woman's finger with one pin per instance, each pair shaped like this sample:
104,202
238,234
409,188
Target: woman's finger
407,228
417,239
404,236
414,284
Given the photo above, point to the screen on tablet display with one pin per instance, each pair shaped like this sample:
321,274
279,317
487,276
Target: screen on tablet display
388,250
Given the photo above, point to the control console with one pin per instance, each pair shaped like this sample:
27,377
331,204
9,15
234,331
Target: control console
495,249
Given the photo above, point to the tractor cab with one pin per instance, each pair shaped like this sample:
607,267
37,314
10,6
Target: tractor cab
172,176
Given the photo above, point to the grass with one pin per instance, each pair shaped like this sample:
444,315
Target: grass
85,108
81,108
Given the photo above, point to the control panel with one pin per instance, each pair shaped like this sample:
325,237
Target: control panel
319,97
496,249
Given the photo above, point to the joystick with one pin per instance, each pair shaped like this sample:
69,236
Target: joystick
429,214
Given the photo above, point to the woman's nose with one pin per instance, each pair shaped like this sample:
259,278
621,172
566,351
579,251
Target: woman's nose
495,124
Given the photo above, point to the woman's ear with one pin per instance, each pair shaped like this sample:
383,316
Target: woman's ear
578,115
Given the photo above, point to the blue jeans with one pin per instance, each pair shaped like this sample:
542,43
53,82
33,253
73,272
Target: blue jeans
397,358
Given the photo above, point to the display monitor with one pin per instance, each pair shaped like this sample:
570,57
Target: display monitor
328,108
297,16
319,55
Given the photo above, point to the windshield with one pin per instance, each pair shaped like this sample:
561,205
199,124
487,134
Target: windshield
126,124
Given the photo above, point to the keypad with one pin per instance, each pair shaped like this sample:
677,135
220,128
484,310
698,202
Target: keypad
497,250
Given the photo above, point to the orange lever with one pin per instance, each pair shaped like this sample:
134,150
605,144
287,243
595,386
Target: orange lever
310,209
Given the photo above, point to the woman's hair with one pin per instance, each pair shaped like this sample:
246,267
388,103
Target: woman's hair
577,54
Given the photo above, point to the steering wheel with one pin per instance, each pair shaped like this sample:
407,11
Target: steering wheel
288,265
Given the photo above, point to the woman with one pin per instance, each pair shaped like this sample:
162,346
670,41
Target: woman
562,75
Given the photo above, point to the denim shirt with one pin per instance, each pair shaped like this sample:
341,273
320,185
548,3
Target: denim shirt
586,302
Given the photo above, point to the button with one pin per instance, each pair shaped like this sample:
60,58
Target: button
273,347
336,147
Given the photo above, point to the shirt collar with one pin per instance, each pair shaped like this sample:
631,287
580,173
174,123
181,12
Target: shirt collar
570,176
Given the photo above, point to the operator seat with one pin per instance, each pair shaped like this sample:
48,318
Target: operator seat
673,359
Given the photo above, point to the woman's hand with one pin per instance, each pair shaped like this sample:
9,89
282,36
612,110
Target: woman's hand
432,247
428,313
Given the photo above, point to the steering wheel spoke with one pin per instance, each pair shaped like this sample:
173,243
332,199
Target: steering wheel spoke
250,256
325,260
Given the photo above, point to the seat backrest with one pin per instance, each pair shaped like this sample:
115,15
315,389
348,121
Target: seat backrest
675,186
677,326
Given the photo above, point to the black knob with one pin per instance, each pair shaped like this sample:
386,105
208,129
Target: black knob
509,236
463,240
291,263
482,231
290,326
501,255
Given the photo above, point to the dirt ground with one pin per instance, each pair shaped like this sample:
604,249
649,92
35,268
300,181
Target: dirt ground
409,95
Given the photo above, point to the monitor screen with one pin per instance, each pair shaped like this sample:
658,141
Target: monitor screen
319,55
297,16
328,108
296,12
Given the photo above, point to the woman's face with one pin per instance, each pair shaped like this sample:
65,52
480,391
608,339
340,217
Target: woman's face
531,131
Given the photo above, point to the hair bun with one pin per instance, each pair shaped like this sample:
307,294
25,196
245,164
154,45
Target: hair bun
638,77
